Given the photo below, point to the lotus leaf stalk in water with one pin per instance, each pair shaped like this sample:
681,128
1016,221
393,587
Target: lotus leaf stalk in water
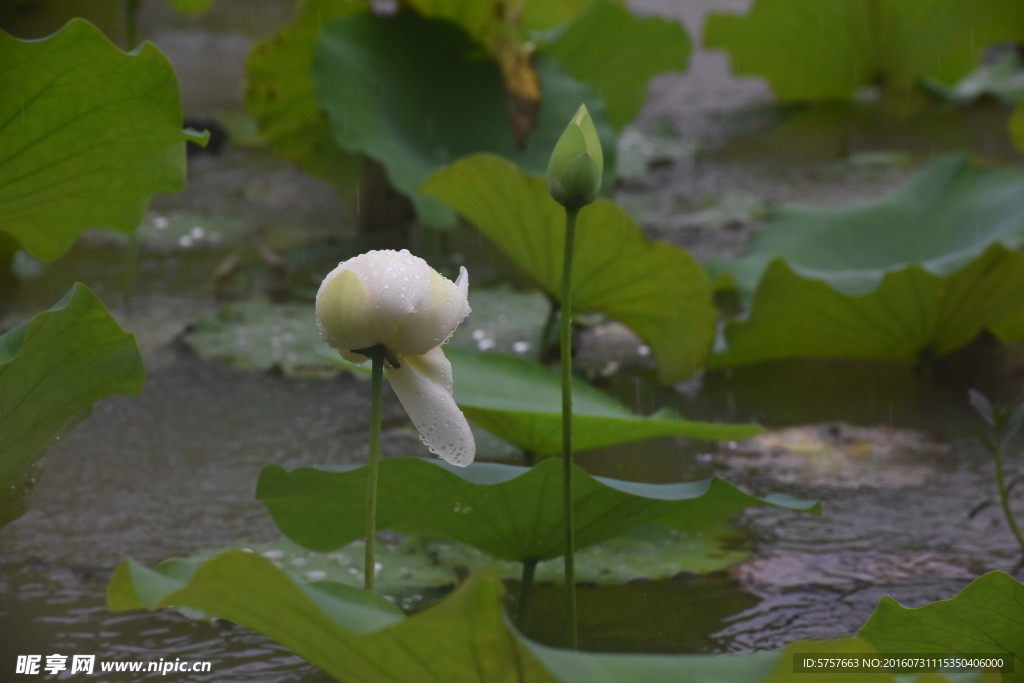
391,307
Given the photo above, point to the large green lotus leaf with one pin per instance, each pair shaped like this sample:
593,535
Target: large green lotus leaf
521,402
512,513
810,49
912,314
417,93
618,53
52,369
87,135
656,289
463,638
985,617
281,97
945,216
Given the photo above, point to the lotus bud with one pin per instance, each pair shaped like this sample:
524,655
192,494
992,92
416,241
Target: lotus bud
396,300
577,162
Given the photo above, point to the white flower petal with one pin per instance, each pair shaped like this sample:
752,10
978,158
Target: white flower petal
424,386
395,281
343,313
434,319
392,298
462,282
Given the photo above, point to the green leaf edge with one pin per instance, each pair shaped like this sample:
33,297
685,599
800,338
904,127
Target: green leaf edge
496,475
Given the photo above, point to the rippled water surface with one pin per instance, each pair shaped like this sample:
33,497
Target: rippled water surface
174,469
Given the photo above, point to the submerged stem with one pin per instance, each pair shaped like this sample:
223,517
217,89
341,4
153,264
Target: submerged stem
525,590
369,566
1004,498
566,344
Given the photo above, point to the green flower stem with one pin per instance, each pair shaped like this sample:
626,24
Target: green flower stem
1004,497
548,336
566,348
377,383
525,590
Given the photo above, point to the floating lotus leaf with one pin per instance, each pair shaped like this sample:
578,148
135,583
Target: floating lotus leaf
512,513
52,369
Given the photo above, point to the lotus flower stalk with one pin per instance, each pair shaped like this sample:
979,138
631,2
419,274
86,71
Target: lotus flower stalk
393,309
574,180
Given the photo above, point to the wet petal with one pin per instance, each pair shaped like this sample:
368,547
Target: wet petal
462,282
396,282
343,313
424,386
431,323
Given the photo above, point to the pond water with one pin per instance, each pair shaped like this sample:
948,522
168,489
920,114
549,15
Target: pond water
174,469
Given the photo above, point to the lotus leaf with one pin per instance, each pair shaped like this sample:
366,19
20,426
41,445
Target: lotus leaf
985,617
618,53
87,135
464,638
512,513
521,402
913,314
810,49
920,273
656,289
945,216
439,102
52,369
282,97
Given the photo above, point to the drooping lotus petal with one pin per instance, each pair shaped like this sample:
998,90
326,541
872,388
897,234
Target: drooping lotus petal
423,384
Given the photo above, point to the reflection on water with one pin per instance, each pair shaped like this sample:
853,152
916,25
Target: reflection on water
48,609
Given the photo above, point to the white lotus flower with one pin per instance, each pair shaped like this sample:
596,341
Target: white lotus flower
395,299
